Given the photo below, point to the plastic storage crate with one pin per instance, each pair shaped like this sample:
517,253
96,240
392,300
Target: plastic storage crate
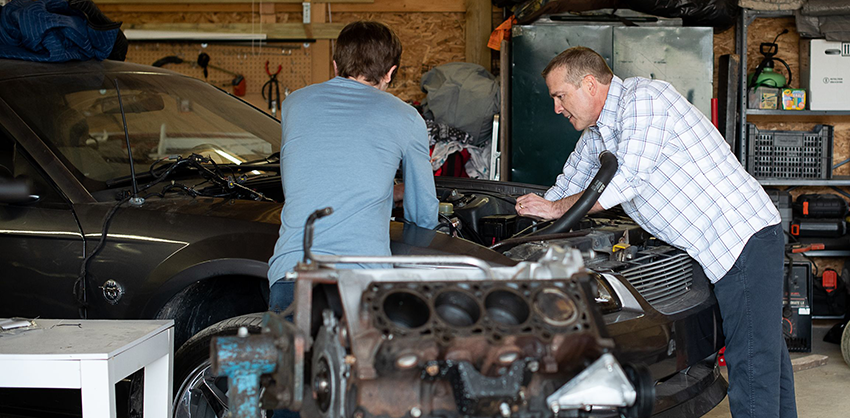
789,154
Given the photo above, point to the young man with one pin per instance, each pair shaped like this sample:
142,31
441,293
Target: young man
342,142
678,179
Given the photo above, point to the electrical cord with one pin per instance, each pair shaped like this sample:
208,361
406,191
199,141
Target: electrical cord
80,288
533,224
452,229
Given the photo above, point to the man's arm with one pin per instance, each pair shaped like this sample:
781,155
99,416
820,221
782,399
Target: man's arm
577,170
534,206
420,194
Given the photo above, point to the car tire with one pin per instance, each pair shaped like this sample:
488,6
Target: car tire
197,393
845,344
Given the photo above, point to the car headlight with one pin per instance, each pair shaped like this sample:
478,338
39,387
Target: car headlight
606,298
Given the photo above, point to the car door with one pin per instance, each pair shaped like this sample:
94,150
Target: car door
41,246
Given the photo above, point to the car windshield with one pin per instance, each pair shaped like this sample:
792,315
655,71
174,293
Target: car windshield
79,117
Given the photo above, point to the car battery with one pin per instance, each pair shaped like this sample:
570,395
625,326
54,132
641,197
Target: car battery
797,305
824,228
783,202
820,206
825,73
495,228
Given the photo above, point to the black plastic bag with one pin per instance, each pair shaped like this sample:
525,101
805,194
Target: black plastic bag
715,13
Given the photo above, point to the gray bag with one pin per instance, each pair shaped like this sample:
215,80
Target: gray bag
464,96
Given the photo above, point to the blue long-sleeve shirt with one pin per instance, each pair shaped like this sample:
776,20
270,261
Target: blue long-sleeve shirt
342,143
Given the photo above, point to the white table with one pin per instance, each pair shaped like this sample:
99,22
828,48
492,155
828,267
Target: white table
93,355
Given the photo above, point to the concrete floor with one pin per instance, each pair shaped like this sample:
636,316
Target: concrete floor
821,391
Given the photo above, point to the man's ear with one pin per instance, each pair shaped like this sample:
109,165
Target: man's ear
389,76
336,70
592,85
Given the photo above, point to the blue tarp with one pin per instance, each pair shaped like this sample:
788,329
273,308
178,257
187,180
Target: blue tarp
51,31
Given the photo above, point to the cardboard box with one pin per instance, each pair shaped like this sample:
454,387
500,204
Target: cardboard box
825,73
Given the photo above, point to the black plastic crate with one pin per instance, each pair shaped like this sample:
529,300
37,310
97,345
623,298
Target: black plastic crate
789,154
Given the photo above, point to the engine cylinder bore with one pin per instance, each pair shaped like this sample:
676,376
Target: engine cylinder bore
555,307
406,310
457,308
506,307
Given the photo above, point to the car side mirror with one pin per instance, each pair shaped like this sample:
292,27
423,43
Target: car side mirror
16,191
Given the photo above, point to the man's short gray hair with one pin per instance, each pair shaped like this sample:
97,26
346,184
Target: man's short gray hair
579,62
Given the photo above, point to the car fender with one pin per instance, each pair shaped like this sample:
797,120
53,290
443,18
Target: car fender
231,255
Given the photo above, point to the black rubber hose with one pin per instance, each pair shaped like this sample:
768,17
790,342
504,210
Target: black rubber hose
588,198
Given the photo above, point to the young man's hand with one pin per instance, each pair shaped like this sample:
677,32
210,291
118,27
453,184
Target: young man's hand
398,192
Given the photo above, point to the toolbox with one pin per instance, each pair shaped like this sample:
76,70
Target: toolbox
825,228
790,154
819,205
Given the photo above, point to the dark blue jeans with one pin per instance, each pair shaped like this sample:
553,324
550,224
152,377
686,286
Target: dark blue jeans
281,295
761,380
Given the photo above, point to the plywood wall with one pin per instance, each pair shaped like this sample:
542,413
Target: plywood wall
429,39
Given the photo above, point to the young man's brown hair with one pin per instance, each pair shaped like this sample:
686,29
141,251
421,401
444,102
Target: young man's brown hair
368,49
579,62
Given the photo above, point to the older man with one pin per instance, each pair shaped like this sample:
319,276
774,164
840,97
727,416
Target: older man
678,179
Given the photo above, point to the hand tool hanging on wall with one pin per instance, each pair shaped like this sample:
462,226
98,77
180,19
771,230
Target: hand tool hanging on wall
171,59
274,87
238,81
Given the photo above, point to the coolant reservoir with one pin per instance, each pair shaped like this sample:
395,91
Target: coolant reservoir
447,209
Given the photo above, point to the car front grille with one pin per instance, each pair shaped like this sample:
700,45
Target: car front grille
661,278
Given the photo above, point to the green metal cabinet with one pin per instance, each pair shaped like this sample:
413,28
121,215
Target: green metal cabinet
541,140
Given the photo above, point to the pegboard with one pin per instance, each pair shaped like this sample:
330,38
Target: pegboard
245,59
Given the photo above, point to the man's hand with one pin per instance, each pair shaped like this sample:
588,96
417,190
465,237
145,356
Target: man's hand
398,192
534,206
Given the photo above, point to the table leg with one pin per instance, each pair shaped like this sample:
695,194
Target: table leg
159,384
98,393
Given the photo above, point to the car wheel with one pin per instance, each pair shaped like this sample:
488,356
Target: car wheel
845,344
199,393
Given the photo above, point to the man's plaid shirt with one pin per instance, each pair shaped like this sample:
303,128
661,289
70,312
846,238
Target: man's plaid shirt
677,177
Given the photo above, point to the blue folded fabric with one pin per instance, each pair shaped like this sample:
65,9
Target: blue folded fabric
51,31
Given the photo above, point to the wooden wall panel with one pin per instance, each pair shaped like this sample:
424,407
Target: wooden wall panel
428,39
479,24
432,33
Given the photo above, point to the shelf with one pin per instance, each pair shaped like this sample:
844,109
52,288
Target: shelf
835,181
812,116
796,113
